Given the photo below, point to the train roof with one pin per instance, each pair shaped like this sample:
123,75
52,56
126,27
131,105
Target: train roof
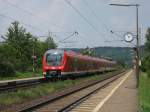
54,50
71,52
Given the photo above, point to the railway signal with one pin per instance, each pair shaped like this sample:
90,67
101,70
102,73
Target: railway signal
34,59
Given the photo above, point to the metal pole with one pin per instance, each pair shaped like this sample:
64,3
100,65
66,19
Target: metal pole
137,39
33,59
137,46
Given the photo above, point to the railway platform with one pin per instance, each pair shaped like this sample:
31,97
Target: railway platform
15,81
125,99
119,96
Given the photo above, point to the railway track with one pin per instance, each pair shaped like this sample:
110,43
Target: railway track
67,98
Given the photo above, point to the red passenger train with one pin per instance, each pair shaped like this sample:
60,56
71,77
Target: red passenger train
57,63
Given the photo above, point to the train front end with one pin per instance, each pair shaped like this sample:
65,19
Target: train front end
53,63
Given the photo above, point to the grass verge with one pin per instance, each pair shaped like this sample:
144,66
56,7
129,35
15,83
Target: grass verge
20,75
144,93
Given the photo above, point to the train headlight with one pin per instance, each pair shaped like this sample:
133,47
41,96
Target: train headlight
59,67
44,73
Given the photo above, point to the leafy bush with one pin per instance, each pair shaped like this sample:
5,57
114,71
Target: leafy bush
148,73
143,65
6,69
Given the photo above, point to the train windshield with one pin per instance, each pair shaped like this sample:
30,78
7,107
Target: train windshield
54,58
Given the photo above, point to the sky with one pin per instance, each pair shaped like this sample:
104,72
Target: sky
91,19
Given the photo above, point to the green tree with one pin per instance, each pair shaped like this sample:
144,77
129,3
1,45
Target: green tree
147,44
6,60
146,60
19,47
88,51
21,42
50,44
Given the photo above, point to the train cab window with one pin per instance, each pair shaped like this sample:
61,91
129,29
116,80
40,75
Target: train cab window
54,58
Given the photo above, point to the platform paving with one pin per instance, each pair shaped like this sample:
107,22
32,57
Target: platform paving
125,98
